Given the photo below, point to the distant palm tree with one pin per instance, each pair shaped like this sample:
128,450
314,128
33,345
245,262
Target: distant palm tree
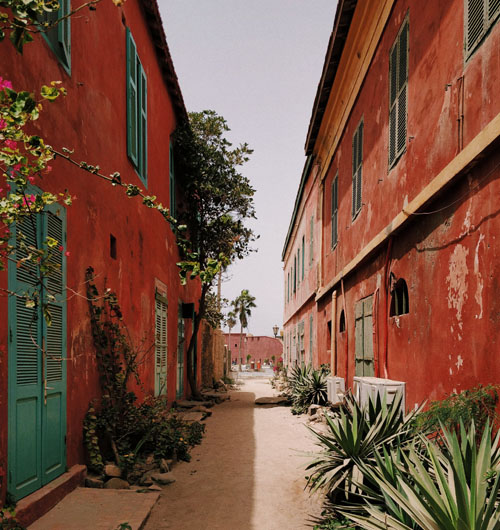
243,305
230,323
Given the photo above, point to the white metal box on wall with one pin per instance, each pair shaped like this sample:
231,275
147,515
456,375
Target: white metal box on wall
366,387
335,388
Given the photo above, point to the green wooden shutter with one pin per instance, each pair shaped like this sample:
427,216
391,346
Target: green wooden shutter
398,94
64,32
311,242
180,353
359,167
160,345
54,335
493,9
303,255
298,266
335,207
24,438
132,92
143,168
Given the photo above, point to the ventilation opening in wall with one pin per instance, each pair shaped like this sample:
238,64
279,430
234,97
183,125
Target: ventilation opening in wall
342,322
400,304
112,246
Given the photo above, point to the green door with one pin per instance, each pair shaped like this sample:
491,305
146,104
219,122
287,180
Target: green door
37,372
180,353
364,337
160,345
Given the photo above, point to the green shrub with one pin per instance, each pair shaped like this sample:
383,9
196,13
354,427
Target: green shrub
455,486
353,437
477,404
306,386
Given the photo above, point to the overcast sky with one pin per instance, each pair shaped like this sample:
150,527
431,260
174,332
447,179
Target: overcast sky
258,64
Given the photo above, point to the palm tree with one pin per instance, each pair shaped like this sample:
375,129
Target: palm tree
230,323
243,305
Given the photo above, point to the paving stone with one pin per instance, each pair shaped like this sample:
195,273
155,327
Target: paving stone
94,482
191,416
116,483
186,404
92,508
271,400
155,487
111,470
163,478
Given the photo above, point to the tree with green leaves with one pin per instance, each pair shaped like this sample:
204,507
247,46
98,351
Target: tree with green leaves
243,305
216,202
230,323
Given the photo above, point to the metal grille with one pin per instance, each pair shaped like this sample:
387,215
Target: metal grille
493,9
475,22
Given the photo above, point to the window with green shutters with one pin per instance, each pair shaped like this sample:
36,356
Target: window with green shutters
311,242
303,255
59,36
298,266
311,337
137,116
172,181
480,15
398,94
357,166
160,344
335,210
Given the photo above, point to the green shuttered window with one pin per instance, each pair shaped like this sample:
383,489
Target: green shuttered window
480,15
311,242
160,344
335,210
59,36
137,116
398,94
357,165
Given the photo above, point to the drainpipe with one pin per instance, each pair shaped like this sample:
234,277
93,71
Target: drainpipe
386,312
346,368
319,280
333,343
376,360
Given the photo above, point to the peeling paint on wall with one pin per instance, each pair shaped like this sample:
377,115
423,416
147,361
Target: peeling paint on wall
457,281
479,279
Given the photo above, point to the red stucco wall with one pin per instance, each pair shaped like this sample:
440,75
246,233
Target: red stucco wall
259,347
92,120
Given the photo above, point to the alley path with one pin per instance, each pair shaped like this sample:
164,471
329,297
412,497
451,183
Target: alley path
248,473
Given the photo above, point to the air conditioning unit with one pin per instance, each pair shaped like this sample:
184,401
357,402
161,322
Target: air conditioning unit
335,388
366,387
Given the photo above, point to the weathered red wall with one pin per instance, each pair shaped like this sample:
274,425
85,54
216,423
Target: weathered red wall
259,347
449,259
92,120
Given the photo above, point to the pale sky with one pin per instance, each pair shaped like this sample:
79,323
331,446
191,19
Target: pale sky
258,64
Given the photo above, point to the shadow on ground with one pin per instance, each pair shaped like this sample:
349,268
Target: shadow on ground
215,490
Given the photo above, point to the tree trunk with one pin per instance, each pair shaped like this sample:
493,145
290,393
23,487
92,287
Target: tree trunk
241,334
195,393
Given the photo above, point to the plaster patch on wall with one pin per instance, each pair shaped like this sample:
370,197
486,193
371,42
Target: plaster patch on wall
405,201
451,371
459,363
457,281
379,280
479,288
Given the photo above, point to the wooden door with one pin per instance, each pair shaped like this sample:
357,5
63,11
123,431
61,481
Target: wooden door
37,352
364,337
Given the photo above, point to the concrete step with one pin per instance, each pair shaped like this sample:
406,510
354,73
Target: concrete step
98,509
41,501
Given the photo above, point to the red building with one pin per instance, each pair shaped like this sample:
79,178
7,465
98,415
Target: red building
403,180
123,102
260,348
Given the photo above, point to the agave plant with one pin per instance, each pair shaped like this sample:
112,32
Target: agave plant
353,437
455,487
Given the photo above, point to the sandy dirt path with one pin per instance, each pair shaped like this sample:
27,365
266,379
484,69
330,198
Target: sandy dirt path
248,473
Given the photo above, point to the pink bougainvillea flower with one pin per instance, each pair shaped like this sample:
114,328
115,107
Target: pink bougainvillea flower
11,144
32,198
3,124
61,248
5,83
67,253
48,169
7,187
31,179
17,167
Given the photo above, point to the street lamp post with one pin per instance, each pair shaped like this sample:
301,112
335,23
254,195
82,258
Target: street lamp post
275,330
